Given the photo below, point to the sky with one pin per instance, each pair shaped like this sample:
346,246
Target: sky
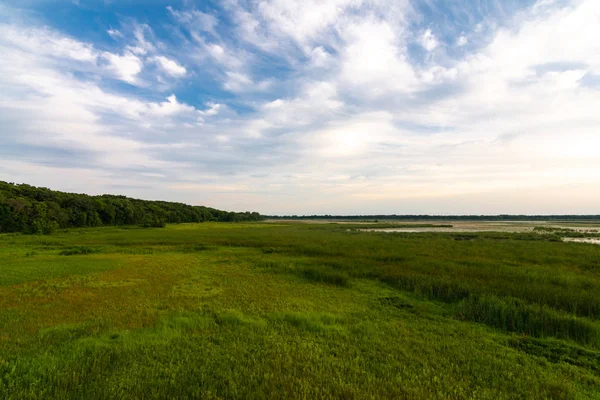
307,106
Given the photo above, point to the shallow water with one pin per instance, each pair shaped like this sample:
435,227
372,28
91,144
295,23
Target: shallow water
582,240
488,226
458,230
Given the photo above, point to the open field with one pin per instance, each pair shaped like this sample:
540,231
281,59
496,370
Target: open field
298,311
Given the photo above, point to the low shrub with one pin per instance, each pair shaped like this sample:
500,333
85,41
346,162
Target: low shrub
79,250
270,250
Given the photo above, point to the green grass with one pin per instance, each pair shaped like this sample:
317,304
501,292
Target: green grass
513,315
303,311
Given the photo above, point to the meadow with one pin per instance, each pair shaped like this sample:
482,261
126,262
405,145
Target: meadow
297,311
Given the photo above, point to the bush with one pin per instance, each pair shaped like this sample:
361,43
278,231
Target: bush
79,250
270,250
152,221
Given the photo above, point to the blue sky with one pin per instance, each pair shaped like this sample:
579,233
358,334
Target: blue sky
302,107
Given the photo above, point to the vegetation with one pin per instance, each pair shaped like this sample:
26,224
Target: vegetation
30,209
267,311
567,232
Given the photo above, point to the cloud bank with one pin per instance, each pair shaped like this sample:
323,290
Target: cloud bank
302,107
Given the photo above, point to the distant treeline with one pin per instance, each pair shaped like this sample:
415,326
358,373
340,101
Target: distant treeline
503,217
30,209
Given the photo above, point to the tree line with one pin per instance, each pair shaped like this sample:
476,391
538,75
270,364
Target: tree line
38,210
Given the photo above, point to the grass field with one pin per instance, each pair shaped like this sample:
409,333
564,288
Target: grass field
297,311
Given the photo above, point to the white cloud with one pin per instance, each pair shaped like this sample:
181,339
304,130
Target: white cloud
69,112
231,59
169,66
354,137
213,109
374,60
115,34
126,67
239,82
196,19
462,41
303,21
281,26
217,51
44,41
142,45
169,107
565,36
58,49
317,102
429,41
320,57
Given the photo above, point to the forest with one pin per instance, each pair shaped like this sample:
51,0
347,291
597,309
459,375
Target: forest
37,210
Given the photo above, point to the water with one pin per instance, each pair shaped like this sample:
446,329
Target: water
582,240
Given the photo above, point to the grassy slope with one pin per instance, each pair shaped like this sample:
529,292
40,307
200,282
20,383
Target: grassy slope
297,311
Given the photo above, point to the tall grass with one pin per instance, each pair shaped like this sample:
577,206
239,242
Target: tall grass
297,311
583,298
512,315
433,288
325,275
